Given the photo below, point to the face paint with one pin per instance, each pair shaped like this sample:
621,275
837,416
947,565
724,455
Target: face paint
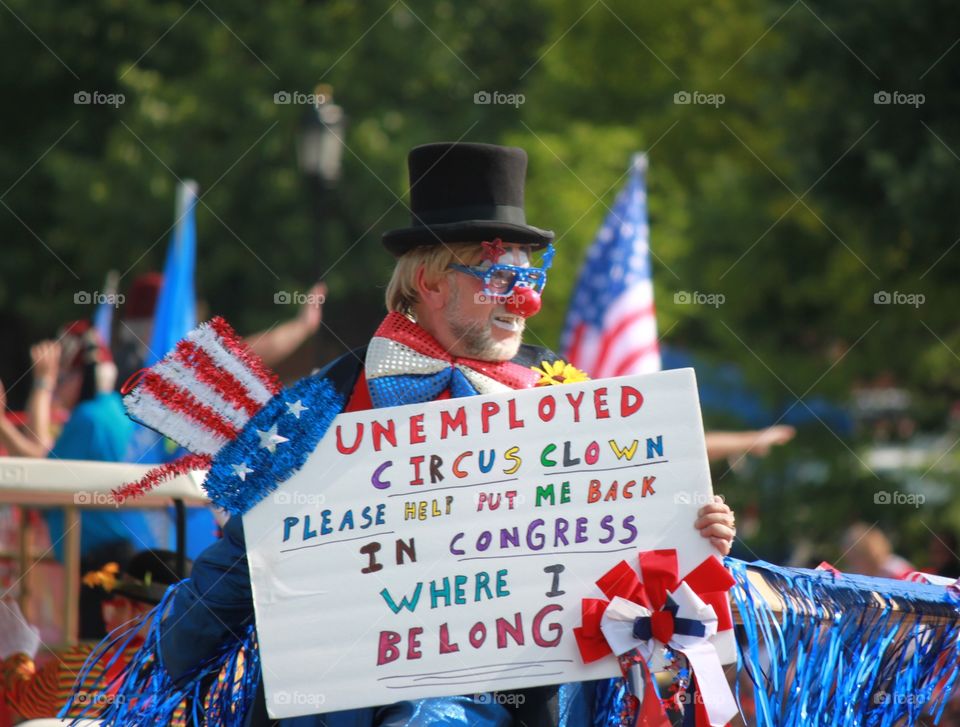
486,322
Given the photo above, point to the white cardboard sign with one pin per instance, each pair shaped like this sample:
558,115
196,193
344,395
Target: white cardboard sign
444,548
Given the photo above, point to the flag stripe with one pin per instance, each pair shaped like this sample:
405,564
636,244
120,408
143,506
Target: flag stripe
633,362
157,415
220,379
613,334
237,348
206,338
640,334
182,402
186,378
573,352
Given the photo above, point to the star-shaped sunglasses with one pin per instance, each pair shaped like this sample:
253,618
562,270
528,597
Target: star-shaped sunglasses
500,279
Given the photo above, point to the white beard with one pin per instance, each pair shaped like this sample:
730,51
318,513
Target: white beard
477,338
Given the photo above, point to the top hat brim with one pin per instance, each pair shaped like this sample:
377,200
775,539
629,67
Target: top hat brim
142,592
403,240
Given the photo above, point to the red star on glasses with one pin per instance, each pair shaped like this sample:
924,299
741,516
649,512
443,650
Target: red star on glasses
494,250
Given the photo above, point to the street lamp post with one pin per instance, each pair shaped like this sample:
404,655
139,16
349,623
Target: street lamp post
320,148
320,157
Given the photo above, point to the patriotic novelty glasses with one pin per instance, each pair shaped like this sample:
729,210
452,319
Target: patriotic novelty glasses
500,279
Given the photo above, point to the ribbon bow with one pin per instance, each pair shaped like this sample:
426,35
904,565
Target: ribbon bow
406,365
641,617
662,625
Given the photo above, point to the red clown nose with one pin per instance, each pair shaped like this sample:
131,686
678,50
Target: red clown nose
523,302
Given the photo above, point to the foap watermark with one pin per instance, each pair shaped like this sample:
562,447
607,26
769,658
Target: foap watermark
692,498
298,98
95,499
98,98
882,297
884,697
309,499
498,98
308,699
12,473
698,98
686,297
85,297
899,98
510,699
97,699
687,698
294,297
515,298
896,497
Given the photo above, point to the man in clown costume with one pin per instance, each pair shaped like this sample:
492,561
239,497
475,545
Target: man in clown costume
469,272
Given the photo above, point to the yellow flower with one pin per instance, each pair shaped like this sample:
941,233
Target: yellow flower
105,578
559,372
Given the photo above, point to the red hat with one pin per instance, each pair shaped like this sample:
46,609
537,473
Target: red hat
142,296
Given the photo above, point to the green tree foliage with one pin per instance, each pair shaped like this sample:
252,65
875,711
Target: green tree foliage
798,198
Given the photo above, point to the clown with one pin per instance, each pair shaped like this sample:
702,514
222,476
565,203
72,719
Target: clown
469,272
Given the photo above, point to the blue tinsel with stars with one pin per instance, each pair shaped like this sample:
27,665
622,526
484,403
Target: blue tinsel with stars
273,445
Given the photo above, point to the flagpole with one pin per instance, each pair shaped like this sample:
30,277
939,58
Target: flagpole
187,192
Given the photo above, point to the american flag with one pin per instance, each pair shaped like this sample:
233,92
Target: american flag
204,391
611,327
201,395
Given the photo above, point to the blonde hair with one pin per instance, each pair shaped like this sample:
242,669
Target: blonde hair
435,259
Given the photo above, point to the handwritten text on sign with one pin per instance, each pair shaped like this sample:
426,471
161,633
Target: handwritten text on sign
444,548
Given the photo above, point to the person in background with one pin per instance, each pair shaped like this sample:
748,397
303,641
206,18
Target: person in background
35,438
942,558
278,342
721,445
36,692
73,374
131,338
98,429
131,347
272,345
868,551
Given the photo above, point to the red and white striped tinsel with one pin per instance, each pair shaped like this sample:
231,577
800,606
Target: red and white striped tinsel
200,395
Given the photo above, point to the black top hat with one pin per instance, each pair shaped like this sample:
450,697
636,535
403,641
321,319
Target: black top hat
146,577
463,192
148,574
